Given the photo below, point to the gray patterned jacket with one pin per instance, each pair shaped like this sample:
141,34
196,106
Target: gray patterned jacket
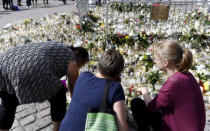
32,72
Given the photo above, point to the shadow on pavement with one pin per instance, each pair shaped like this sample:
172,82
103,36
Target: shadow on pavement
5,12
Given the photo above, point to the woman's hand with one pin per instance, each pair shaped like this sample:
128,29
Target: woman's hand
144,91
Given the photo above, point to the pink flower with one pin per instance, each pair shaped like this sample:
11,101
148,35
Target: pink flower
143,32
157,4
151,37
150,49
78,26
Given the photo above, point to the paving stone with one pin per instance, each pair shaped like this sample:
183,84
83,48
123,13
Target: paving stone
15,124
18,129
23,107
39,124
26,112
44,122
31,127
26,120
47,129
41,106
43,113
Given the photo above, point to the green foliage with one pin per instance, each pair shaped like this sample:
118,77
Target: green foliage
145,40
153,77
121,39
127,21
147,61
93,17
194,38
89,45
88,23
130,7
203,77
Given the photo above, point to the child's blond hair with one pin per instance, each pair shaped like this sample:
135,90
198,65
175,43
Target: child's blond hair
173,52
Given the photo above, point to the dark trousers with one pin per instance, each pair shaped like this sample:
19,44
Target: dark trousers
28,2
7,3
143,117
64,1
9,103
98,2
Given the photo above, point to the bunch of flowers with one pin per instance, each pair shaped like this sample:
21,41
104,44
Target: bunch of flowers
92,16
121,39
147,60
145,40
196,40
88,23
88,45
197,15
153,77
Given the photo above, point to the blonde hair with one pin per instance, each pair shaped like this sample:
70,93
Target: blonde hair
173,52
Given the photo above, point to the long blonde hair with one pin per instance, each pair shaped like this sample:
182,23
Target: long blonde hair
173,52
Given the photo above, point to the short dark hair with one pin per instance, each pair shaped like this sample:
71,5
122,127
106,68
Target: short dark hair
81,53
111,63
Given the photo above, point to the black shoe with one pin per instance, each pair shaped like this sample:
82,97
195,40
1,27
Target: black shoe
6,8
19,4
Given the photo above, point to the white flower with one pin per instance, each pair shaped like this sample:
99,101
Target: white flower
148,53
141,57
200,67
197,24
132,33
78,43
155,68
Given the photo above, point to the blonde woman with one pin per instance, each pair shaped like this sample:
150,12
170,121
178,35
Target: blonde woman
180,99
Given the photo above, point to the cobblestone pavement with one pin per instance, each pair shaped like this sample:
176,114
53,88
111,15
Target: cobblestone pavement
36,117
33,117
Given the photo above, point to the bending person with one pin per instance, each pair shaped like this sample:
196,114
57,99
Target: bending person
31,73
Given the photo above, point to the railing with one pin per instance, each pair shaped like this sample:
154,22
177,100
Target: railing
139,15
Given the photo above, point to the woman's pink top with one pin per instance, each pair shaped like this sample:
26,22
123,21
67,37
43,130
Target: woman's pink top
181,102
